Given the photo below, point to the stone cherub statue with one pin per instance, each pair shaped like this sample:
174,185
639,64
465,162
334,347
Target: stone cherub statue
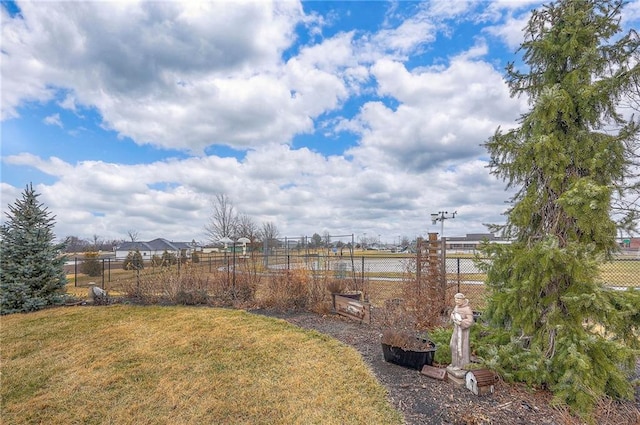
462,317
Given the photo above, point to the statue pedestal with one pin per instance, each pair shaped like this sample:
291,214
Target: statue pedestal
456,376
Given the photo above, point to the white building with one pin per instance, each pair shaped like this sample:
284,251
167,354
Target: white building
156,247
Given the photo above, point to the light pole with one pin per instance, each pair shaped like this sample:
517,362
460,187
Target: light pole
226,240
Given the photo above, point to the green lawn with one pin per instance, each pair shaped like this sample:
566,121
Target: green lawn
153,365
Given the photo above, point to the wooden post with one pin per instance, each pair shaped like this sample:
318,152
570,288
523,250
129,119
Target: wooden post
419,244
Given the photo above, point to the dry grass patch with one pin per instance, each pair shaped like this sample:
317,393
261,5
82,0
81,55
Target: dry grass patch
126,365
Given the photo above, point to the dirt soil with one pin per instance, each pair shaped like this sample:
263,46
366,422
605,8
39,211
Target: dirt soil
426,400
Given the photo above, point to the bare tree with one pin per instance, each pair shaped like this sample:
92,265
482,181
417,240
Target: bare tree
133,235
75,244
626,197
247,228
224,220
269,231
97,242
326,238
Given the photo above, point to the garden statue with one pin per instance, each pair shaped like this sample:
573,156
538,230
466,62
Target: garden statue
462,317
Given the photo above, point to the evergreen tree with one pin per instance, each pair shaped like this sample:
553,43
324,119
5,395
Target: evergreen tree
566,331
91,266
31,267
128,260
133,261
156,260
138,262
169,258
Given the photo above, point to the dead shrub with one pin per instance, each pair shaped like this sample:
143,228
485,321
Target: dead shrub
288,290
394,315
169,286
422,305
336,286
247,280
408,341
142,289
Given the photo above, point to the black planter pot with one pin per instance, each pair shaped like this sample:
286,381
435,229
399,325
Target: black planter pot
406,358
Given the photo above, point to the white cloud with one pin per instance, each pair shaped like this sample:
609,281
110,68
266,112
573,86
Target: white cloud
301,191
449,9
631,12
443,116
159,71
511,31
192,75
53,120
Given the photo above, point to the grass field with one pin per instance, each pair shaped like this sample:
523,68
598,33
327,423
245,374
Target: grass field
157,365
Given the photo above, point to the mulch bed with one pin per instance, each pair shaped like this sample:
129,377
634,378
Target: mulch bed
424,400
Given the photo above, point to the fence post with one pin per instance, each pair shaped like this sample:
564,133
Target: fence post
233,290
75,271
102,273
418,264
226,261
444,268
363,269
265,253
109,269
458,274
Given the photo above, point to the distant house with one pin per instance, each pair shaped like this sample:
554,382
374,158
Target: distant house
472,241
629,243
156,247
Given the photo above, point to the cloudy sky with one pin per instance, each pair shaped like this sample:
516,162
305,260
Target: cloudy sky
342,117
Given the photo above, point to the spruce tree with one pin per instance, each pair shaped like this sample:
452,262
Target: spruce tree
31,267
91,266
168,258
566,331
137,262
133,261
127,264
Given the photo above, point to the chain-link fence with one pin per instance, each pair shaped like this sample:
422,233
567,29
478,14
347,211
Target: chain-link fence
381,276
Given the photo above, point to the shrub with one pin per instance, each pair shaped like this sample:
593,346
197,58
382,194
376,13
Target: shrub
91,266
133,261
169,258
408,341
288,289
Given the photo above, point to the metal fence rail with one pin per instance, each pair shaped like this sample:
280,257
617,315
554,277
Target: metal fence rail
381,277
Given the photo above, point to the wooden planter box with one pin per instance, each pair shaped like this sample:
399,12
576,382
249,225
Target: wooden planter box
355,295
351,305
